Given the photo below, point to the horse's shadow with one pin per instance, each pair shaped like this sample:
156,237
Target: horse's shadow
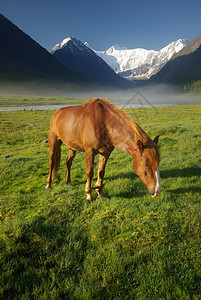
139,187
127,175
186,172
138,190
172,173
184,190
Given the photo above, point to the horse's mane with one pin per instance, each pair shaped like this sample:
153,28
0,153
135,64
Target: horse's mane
128,120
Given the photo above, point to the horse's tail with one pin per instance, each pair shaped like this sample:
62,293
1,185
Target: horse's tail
57,157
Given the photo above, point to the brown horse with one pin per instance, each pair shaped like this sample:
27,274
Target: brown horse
97,127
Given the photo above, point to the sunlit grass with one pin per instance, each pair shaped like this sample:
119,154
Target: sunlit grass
27,100
55,244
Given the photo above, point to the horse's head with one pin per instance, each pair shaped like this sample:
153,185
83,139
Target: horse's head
146,165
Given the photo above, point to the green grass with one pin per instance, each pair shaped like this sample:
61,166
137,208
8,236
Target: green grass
27,100
54,244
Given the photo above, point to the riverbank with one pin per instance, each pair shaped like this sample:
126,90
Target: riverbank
139,100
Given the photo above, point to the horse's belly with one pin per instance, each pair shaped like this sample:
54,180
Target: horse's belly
73,143
69,133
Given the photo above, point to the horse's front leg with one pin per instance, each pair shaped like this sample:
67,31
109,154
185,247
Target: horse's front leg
69,161
103,158
89,157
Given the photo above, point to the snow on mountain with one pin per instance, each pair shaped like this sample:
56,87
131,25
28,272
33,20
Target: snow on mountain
55,48
133,64
74,42
125,59
139,63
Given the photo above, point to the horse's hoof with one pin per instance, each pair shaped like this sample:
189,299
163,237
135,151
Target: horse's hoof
89,197
48,187
100,196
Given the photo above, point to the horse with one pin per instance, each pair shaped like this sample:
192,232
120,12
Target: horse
97,127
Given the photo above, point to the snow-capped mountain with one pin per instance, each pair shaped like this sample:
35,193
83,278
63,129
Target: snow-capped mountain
138,64
183,67
75,42
80,58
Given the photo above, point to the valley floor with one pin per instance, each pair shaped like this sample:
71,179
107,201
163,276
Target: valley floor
55,244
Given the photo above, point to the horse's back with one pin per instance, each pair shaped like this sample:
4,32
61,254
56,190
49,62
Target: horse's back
77,126
90,112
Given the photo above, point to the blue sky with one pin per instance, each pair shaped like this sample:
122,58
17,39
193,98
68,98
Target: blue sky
149,24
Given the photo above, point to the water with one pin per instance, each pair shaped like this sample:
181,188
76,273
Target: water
36,107
123,103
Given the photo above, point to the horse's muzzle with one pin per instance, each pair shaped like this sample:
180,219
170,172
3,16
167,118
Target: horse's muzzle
156,194
158,185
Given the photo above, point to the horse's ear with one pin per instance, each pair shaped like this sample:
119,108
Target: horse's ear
140,145
156,139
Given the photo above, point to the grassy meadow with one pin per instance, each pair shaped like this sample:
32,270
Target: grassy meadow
54,244
13,100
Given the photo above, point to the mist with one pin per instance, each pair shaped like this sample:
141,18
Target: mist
140,96
155,95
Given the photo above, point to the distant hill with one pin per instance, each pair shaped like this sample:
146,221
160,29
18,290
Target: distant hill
80,58
21,58
184,67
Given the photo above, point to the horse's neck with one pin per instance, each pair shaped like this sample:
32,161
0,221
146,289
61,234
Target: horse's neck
122,136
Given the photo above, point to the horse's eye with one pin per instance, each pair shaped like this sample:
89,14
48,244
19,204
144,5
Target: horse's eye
147,165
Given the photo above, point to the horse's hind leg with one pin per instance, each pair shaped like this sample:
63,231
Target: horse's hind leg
69,161
103,158
55,155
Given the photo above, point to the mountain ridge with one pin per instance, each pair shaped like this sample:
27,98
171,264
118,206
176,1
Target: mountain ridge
22,58
80,58
76,63
184,67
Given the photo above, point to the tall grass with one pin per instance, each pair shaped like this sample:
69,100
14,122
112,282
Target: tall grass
55,244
